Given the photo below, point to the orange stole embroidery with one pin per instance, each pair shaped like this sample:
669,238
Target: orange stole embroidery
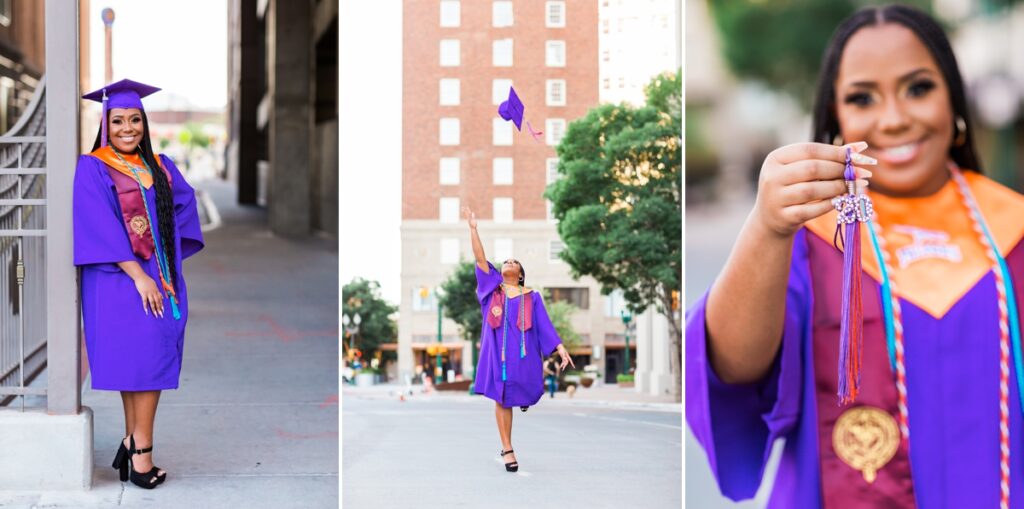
107,155
935,281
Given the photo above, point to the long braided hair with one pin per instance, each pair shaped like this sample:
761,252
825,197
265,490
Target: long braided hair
164,198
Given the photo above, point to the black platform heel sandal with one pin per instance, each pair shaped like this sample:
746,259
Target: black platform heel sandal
121,461
510,467
147,480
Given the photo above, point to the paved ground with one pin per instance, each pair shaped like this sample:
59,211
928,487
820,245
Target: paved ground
441,450
255,422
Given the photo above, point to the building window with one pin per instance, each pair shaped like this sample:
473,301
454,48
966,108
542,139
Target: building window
614,304
606,55
503,250
450,92
606,83
450,131
501,54
556,92
550,211
450,53
555,248
449,251
502,132
555,54
450,171
605,25
499,90
503,210
579,297
501,14
449,210
450,13
552,169
622,82
502,171
554,130
555,15
423,299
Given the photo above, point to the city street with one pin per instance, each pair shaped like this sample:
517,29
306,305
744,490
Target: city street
441,450
254,423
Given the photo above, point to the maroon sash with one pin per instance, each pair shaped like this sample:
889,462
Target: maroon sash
133,211
842,485
496,308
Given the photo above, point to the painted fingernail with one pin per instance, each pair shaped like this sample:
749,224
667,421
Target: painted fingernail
858,146
864,173
863,159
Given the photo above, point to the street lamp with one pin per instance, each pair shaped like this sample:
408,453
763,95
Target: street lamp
627,317
438,293
352,328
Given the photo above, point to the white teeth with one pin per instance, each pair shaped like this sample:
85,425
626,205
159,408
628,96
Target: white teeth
902,150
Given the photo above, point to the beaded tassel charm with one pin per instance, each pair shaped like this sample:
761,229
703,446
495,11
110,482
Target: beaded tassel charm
853,209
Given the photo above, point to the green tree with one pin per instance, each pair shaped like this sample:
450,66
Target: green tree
781,43
459,301
618,201
192,137
561,313
376,326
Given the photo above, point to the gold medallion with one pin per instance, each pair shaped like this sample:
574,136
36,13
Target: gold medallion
139,225
866,438
496,311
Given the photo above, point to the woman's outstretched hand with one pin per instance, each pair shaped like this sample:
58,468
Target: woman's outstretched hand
566,360
470,216
798,181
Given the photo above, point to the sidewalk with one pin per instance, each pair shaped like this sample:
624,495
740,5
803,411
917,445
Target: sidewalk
254,423
597,396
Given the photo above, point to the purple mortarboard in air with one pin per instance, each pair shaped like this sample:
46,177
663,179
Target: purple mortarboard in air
121,94
512,109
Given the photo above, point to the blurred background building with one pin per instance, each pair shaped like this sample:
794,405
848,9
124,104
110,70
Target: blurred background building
282,144
750,72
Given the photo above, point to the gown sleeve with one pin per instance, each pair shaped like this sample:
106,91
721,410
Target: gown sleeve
546,332
486,282
737,424
186,212
97,226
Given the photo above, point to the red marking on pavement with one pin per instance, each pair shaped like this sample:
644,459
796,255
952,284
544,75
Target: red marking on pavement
285,335
301,436
216,266
331,400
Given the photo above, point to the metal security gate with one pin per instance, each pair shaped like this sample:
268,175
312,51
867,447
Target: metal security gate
23,252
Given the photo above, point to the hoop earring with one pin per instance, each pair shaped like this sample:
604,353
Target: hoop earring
960,129
838,140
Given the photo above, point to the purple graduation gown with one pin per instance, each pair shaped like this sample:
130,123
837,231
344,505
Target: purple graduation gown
128,349
953,400
524,383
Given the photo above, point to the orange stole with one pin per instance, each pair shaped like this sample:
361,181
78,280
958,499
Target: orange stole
928,231
107,155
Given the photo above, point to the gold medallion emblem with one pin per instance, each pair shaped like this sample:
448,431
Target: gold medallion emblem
496,311
139,225
866,438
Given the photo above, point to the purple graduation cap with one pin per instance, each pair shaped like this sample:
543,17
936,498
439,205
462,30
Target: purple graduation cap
512,109
121,94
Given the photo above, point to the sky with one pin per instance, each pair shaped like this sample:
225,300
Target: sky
179,46
370,152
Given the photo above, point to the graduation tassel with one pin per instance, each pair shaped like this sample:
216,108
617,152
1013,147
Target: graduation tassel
853,209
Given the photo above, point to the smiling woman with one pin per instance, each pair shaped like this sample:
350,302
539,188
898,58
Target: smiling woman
135,220
939,310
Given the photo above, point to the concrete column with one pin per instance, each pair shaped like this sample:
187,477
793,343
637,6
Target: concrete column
290,82
52,448
642,376
661,374
246,75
